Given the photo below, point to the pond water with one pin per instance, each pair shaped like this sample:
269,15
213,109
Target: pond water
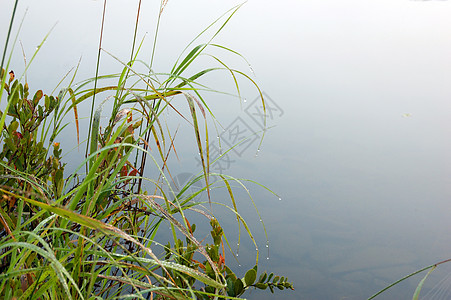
359,108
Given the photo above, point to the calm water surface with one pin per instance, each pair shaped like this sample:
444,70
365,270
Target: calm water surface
359,99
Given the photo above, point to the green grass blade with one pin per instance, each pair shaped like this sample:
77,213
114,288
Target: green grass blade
420,285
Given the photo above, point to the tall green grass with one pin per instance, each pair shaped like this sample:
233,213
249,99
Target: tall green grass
90,233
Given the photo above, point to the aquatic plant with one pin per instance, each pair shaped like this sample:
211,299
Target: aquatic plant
91,234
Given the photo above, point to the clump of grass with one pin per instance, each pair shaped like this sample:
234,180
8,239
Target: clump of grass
90,234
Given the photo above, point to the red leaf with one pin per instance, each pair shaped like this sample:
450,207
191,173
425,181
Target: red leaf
124,171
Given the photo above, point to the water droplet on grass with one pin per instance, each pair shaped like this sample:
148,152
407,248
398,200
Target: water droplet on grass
258,151
251,69
280,199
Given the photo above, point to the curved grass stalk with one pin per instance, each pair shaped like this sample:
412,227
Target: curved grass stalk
240,219
418,289
176,71
225,179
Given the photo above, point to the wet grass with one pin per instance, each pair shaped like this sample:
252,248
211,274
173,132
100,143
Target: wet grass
89,233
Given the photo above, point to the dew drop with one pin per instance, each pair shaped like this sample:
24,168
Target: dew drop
244,100
267,258
236,255
267,246
217,137
280,199
256,249
251,69
239,265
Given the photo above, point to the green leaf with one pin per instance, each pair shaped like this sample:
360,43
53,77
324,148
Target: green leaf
239,287
250,277
59,181
10,144
47,103
231,286
288,285
188,59
262,277
261,286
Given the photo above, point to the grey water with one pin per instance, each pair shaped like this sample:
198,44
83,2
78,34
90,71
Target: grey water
358,110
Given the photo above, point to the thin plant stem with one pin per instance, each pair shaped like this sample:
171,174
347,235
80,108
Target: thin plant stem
147,136
408,276
95,80
9,33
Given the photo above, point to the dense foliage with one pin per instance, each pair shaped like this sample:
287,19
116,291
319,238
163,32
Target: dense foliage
90,233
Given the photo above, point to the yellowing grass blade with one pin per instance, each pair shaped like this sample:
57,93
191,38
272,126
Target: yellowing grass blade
74,104
420,285
191,100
